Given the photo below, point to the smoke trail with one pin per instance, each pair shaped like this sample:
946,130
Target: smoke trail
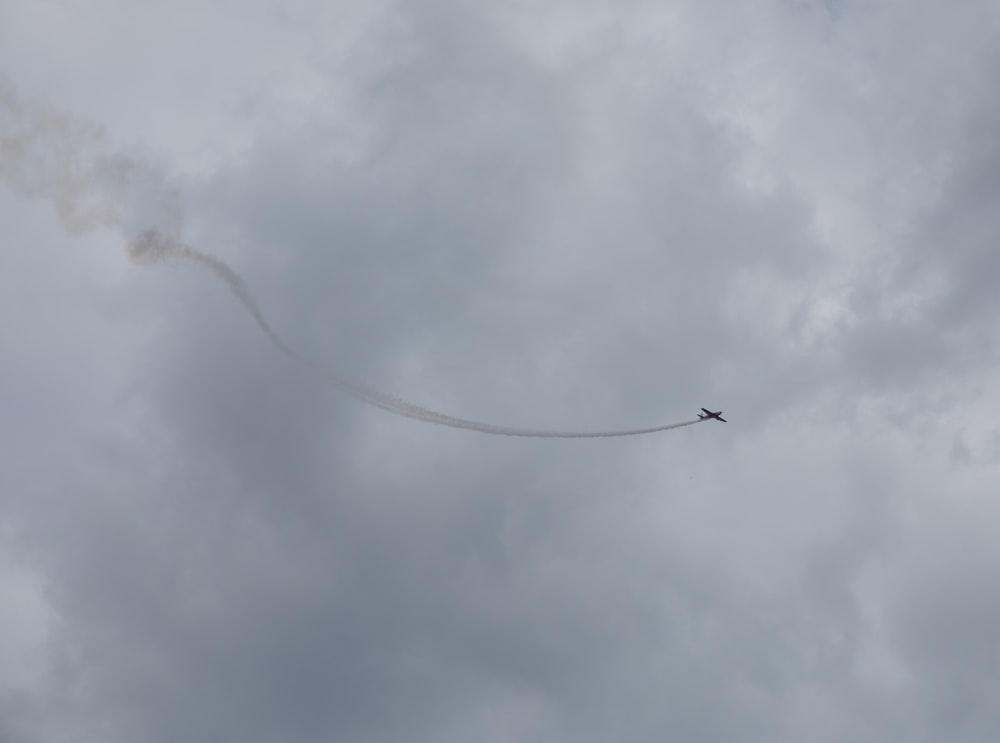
152,247
50,155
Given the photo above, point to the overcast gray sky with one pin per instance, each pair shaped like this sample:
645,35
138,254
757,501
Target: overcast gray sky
572,215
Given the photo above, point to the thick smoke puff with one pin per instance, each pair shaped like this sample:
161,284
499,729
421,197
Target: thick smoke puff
151,247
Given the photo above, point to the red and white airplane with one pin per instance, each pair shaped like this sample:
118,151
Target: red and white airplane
710,414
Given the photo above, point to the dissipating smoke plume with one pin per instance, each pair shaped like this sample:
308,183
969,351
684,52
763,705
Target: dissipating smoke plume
53,156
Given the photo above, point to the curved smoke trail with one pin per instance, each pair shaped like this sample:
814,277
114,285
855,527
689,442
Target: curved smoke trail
52,155
152,247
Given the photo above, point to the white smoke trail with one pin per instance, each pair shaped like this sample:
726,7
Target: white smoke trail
152,247
50,155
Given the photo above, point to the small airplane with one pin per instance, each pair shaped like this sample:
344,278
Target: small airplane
710,414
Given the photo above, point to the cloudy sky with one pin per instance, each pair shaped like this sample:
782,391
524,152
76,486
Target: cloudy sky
580,215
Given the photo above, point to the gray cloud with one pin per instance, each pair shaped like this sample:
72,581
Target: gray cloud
572,216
